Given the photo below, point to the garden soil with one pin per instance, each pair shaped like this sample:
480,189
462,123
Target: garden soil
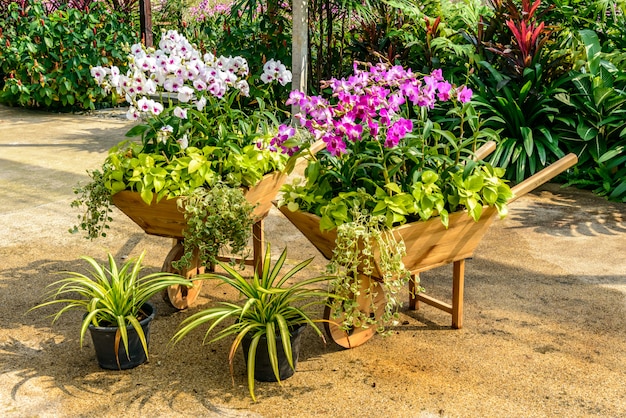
544,327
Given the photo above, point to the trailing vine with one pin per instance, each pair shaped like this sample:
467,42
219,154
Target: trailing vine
218,218
362,245
95,196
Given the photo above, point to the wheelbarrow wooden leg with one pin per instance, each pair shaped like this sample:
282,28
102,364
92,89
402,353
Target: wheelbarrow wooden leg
258,242
414,303
458,282
456,308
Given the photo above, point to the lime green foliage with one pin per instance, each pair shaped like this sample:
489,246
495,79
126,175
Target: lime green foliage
130,167
45,59
270,306
110,296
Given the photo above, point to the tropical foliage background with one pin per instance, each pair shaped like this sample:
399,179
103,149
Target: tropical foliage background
550,77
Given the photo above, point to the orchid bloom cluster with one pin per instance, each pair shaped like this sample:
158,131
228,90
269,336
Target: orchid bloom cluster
370,102
179,70
275,70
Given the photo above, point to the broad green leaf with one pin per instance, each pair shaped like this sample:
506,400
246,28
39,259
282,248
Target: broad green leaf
527,136
137,130
474,183
194,165
393,187
146,195
586,133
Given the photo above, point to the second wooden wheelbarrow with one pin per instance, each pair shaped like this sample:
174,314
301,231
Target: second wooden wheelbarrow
428,245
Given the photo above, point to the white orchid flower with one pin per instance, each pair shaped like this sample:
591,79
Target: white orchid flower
185,93
179,112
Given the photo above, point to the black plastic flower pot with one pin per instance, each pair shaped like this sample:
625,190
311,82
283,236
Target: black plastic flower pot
104,342
263,368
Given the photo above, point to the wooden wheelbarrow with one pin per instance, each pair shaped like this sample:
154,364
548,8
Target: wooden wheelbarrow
164,219
428,245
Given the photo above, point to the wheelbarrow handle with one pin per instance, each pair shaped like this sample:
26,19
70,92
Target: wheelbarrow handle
543,176
485,150
317,146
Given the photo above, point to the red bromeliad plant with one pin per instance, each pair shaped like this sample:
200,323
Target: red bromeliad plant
528,35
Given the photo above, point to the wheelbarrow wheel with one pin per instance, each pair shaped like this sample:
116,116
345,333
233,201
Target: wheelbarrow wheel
182,297
355,337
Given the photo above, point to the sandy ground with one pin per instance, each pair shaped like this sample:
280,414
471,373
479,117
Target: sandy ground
544,332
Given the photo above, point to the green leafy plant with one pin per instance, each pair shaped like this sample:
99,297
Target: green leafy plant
430,35
217,218
357,244
45,61
592,123
271,307
95,198
606,18
110,296
523,113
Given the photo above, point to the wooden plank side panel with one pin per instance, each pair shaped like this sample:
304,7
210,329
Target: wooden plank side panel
429,244
166,220
162,219
264,192
309,225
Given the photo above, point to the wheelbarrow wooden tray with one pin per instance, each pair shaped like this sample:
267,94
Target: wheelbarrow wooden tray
165,219
428,243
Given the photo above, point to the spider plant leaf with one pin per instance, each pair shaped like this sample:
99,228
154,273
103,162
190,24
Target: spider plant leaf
251,362
139,330
270,338
285,337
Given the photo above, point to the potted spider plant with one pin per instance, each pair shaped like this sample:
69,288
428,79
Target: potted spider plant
269,320
116,304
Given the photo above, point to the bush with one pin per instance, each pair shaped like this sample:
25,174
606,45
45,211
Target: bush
46,55
592,119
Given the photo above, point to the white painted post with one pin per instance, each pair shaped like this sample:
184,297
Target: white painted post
299,45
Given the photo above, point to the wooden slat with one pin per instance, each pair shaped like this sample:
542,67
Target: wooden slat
543,176
429,244
264,192
485,150
309,225
458,288
166,220
429,300
162,218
